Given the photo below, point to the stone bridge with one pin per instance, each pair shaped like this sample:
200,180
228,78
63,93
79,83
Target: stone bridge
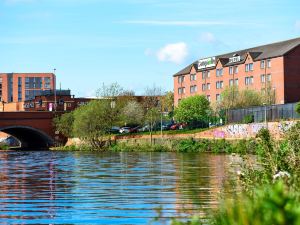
35,130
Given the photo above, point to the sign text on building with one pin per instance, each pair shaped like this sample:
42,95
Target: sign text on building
235,59
206,63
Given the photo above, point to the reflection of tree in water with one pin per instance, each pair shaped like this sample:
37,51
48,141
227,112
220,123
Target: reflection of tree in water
202,179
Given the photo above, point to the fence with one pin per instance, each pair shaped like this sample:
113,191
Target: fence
260,113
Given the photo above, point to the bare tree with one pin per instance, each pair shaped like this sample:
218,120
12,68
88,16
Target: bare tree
152,103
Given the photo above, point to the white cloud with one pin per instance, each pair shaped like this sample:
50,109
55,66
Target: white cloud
175,53
208,37
297,25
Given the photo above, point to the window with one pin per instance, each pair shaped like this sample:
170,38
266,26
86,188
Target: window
193,89
231,70
218,97
269,77
231,82
248,80
203,87
181,90
208,86
208,74
219,84
208,97
236,69
193,77
262,64
219,72
205,74
237,82
269,63
47,82
262,78
249,67
180,79
19,89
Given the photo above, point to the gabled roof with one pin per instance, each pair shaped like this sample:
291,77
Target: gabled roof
187,69
257,53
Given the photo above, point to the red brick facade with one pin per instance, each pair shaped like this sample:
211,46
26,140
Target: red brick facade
275,66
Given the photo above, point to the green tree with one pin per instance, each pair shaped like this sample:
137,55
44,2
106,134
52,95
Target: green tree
232,98
298,107
93,122
193,109
64,124
133,113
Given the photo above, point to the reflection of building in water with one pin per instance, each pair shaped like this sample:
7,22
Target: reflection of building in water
202,179
22,182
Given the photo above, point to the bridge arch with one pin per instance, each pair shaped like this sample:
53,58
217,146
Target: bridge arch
30,138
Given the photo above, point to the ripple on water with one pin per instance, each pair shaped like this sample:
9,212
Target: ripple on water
108,188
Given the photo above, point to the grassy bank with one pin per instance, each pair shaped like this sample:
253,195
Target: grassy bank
184,145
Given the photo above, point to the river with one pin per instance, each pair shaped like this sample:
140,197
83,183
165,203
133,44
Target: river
56,187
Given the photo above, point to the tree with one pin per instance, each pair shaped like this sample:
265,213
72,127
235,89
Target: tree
93,122
232,98
168,103
133,113
194,109
64,124
152,103
298,107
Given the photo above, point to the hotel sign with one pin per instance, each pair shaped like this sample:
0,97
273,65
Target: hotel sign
235,59
206,63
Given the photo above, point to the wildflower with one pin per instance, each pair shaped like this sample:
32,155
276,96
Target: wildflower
281,174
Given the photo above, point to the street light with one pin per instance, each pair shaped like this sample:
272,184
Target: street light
266,121
54,70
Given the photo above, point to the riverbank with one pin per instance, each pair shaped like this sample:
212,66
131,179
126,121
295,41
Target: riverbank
173,145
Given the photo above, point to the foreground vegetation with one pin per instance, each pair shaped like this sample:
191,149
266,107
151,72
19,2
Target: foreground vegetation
270,191
182,146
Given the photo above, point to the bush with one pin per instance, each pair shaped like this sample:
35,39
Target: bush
4,146
270,205
298,108
248,119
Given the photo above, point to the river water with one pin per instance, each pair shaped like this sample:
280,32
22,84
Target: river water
45,187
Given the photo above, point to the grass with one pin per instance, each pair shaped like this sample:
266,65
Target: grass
167,132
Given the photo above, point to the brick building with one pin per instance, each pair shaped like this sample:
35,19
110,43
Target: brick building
45,101
18,87
275,66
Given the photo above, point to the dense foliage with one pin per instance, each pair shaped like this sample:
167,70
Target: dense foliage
193,109
270,189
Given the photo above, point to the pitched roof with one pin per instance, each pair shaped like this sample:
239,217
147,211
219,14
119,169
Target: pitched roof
186,70
257,53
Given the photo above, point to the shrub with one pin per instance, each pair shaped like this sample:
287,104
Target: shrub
248,119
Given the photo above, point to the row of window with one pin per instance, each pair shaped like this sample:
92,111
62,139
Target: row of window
220,84
232,70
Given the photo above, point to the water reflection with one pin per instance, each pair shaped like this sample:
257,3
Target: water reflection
108,188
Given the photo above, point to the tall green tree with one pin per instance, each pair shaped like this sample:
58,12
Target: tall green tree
194,109
64,124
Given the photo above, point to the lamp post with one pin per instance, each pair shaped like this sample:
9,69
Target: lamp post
54,70
266,121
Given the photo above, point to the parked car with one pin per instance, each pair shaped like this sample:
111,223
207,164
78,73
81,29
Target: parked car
178,126
124,130
114,130
144,128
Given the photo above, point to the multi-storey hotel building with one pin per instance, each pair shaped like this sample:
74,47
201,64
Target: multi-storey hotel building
18,87
275,66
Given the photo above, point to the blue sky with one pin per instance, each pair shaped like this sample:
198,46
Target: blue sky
136,43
